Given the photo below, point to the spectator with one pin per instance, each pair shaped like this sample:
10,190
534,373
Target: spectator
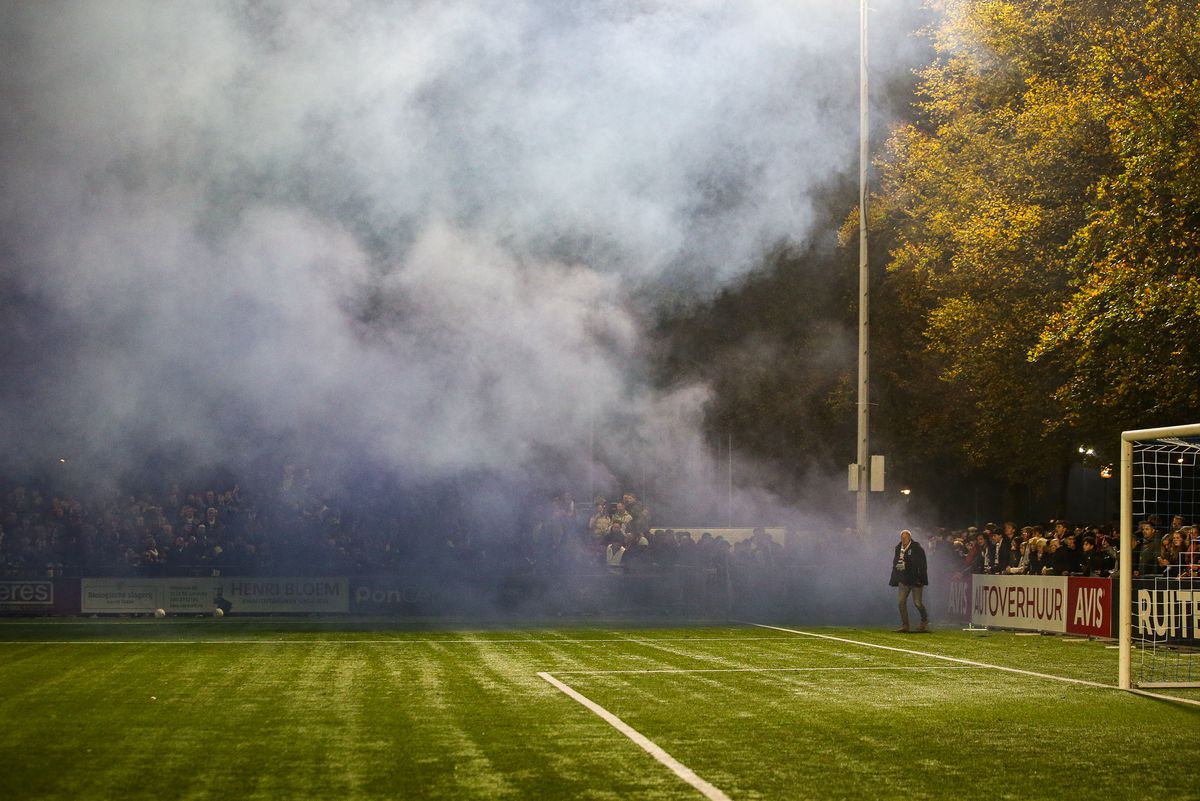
1021,566
978,555
1037,556
1092,561
664,549
910,576
1177,524
615,553
1060,530
1068,559
211,520
621,515
1009,551
1107,553
600,522
1192,555
1051,548
993,559
688,551
1150,563
962,551
1174,554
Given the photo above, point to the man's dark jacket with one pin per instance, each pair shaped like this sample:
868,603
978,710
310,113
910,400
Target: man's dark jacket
916,570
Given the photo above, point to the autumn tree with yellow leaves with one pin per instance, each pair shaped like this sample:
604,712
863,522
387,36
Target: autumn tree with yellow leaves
1042,223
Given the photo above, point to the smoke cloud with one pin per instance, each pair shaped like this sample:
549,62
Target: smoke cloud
420,234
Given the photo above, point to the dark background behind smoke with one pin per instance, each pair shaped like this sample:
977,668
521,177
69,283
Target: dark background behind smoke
414,239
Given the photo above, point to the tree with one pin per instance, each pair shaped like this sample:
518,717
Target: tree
1131,327
1042,214
980,195
1038,217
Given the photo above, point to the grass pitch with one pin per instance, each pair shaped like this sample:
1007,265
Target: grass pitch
346,709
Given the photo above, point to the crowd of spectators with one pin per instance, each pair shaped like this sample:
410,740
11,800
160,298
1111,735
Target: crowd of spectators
202,531
290,525
642,566
1066,549
619,534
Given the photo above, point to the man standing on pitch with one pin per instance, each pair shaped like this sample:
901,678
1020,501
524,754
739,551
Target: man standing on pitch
911,574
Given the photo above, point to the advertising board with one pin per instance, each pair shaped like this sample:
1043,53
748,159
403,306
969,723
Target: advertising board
1090,607
144,595
201,595
1020,602
49,596
1060,604
1167,610
285,595
390,596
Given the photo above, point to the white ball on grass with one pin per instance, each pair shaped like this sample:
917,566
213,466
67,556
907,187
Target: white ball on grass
160,612
218,612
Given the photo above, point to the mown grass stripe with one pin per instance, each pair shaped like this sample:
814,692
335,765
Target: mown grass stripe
643,742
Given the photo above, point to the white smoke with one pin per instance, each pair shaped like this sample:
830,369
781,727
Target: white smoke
419,231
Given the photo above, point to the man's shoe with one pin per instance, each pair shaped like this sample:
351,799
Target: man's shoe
923,628
902,630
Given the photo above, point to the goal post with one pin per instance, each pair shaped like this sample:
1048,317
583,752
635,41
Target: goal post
1158,477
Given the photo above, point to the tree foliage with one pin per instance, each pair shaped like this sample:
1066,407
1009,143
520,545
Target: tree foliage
1036,230
1131,327
1042,218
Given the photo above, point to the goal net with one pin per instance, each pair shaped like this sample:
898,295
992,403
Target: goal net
1160,558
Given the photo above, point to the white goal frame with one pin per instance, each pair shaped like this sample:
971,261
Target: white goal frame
1125,619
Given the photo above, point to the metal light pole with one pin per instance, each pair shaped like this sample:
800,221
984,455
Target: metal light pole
729,485
864,276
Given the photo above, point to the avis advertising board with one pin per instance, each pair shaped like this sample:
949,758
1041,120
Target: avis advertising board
1062,604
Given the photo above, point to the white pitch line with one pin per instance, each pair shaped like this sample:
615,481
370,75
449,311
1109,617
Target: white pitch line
959,660
758,670
986,665
385,642
678,768
1161,697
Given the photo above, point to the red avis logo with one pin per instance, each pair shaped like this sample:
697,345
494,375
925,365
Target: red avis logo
1089,606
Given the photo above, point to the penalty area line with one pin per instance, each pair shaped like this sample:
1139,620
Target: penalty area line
675,766
643,671
955,659
973,663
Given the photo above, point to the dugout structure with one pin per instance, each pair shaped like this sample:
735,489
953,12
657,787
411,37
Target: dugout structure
1160,476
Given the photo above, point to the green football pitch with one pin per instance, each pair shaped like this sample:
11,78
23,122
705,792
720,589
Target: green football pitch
344,709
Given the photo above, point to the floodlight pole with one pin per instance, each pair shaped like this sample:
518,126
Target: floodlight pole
729,485
864,277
